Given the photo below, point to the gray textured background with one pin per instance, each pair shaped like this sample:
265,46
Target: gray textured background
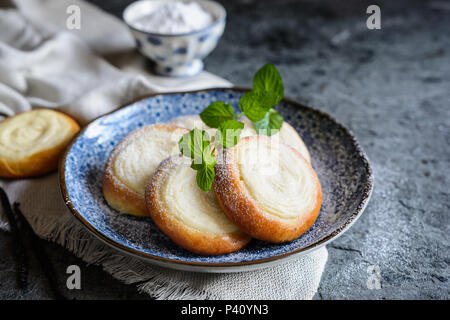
391,87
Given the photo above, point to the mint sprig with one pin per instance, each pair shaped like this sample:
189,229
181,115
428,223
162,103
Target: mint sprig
193,143
268,90
216,113
257,105
268,80
196,145
270,124
205,177
229,133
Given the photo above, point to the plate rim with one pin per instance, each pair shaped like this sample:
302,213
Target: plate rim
210,266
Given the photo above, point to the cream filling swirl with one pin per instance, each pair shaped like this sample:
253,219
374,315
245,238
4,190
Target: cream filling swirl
29,133
192,206
137,160
274,175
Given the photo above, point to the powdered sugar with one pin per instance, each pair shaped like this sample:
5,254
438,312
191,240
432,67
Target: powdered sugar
174,18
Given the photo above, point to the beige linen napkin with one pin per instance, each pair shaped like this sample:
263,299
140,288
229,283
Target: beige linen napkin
87,73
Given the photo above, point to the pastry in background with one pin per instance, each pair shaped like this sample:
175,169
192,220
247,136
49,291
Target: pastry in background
32,142
268,189
288,135
132,163
189,122
189,216
194,121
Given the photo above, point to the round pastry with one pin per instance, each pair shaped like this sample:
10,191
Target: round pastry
189,122
132,163
31,142
189,216
287,135
290,136
267,189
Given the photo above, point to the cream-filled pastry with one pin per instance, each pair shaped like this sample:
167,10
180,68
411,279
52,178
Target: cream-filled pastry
189,122
189,216
132,163
31,142
288,135
268,189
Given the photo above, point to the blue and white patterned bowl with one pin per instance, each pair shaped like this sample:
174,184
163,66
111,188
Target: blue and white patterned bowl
341,165
176,55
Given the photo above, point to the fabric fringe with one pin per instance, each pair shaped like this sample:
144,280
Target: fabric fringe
158,282
160,289
68,233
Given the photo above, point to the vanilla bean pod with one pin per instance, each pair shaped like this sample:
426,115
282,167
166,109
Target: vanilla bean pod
20,250
39,252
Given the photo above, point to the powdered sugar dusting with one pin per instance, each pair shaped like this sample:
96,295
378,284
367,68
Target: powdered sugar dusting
174,18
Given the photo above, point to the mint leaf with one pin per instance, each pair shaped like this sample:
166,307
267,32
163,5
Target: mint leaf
229,132
268,79
193,143
196,166
255,105
205,177
270,124
216,113
196,145
208,157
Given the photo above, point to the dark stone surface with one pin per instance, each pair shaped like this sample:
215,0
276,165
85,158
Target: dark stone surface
391,87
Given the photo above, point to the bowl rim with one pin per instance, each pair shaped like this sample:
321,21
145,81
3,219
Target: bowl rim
367,191
221,19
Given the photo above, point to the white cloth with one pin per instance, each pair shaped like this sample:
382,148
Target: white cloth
45,65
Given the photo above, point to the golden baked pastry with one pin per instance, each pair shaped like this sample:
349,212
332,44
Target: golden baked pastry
189,216
31,142
132,163
268,189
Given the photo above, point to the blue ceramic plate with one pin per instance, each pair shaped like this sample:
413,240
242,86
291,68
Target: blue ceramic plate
342,167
